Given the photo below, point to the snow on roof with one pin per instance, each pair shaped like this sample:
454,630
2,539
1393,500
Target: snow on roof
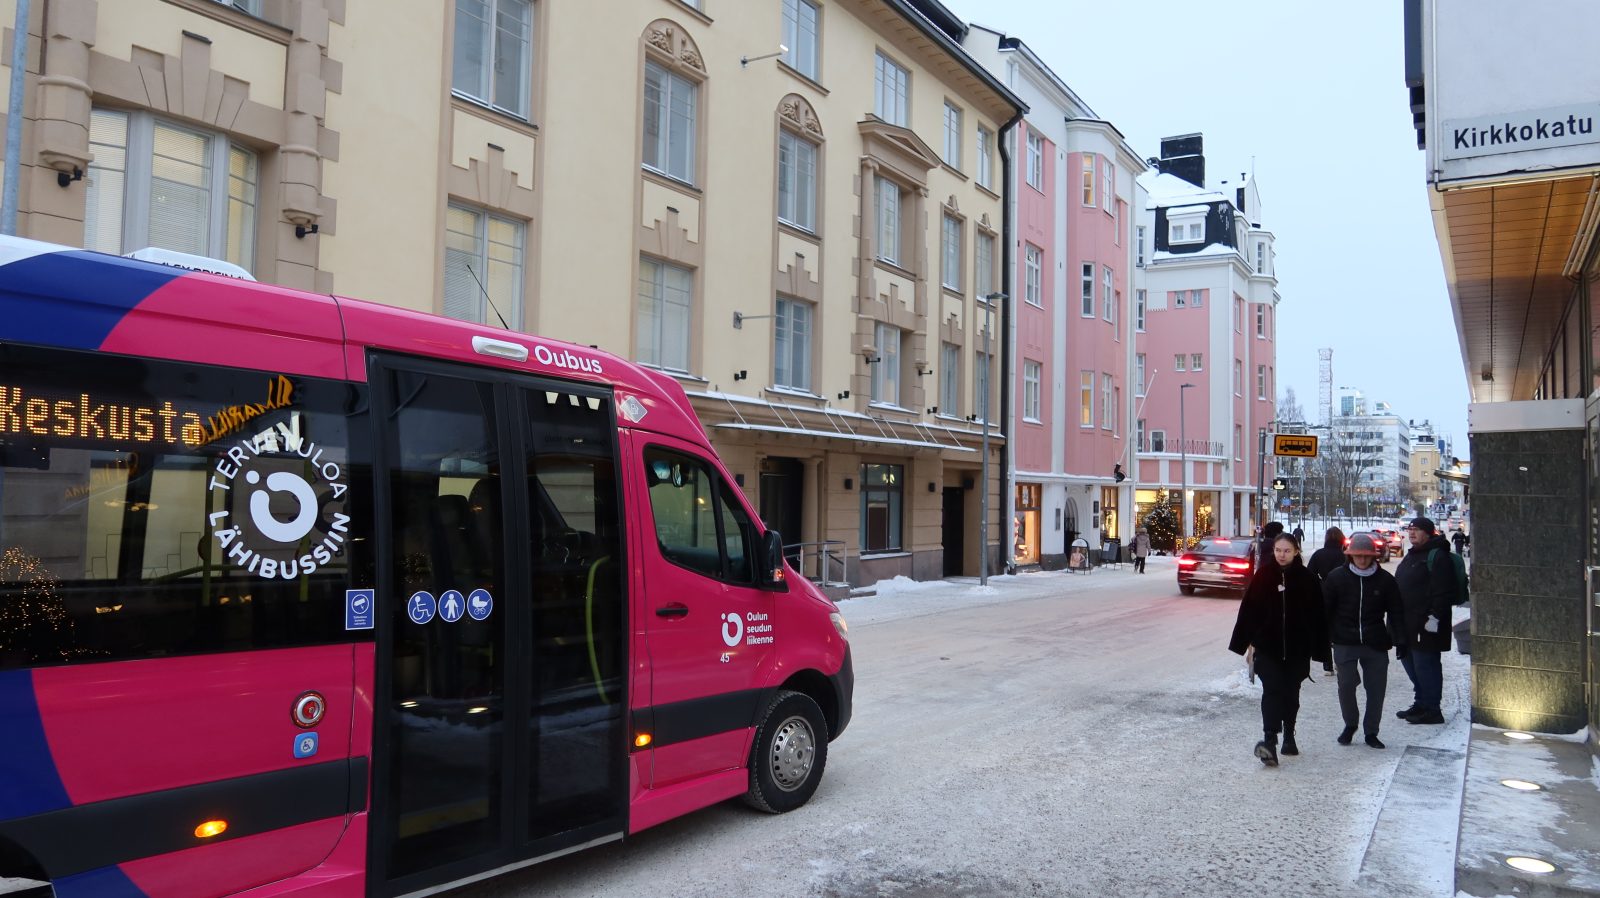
1168,190
1210,249
1176,211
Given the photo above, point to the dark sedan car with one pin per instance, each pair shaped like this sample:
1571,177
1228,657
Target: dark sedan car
1217,562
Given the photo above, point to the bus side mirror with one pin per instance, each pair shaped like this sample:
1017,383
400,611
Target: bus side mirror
772,559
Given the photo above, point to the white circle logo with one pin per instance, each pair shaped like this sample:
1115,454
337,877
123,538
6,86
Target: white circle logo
279,542
732,628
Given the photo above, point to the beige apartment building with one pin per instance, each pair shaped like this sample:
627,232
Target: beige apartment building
802,237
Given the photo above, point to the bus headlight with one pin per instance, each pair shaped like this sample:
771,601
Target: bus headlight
840,625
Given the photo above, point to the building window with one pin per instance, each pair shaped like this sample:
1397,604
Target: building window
1261,321
1261,381
1238,442
1197,362
1186,231
984,250
1138,374
253,7
797,181
980,385
1033,274
952,136
1108,411
1088,179
493,58
886,370
951,240
1138,310
483,265
1139,436
1238,377
156,184
1158,441
800,36
888,203
950,379
1261,257
666,293
1197,298
1178,299
894,89
1035,160
1238,315
1178,362
1107,179
1087,309
669,122
1086,399
792,344
1139,246
881,489
1030,390
985,165
1107,308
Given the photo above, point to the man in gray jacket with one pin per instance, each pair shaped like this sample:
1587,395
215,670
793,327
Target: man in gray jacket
1365,620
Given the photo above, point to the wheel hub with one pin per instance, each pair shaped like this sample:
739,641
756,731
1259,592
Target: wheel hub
793,751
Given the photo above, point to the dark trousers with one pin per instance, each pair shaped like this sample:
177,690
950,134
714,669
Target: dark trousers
1426,670
1358,664
1280,691
1138,563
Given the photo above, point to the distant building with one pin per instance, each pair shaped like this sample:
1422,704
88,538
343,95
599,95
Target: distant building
1206,316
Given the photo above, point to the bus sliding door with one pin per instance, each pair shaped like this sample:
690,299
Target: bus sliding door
500,665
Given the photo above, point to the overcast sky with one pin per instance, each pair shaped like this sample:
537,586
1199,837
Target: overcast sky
1315,95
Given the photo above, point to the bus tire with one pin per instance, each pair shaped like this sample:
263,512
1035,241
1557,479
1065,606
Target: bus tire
788,755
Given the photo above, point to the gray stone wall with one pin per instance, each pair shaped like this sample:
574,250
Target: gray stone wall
1528,538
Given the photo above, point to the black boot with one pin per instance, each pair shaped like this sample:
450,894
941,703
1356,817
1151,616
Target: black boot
1407,713
1348,734
1372,740
1289,748
1267,750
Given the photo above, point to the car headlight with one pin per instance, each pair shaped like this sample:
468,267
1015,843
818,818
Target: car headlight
840,625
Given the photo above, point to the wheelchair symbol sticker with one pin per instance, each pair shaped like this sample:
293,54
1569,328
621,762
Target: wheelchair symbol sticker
421,607
305,745
451,605
479,604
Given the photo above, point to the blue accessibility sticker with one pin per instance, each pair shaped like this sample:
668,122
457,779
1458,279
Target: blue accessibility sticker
305,745
452,604
479,604
358,609
421,607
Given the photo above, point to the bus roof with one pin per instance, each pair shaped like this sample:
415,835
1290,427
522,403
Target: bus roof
78,299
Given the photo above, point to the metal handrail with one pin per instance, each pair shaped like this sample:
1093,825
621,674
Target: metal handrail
826,559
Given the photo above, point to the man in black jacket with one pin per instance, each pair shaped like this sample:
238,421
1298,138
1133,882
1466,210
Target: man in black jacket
1427,589
1365,620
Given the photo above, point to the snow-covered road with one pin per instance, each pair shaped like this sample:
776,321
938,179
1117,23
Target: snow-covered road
1058,735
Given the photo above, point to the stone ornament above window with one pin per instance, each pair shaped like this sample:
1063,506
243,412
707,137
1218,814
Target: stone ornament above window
671,39
796,110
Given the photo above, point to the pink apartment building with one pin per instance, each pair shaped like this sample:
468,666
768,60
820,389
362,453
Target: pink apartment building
1205,350
1071,288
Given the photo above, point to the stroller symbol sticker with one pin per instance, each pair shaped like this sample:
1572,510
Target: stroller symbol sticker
421,607
479,604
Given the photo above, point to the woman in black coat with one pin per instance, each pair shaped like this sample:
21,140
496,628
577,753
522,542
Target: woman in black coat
1281,629
1330,557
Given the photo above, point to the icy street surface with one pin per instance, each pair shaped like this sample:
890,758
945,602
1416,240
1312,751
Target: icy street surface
1064,735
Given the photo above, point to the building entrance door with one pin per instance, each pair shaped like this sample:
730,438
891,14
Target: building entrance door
782,492
954,529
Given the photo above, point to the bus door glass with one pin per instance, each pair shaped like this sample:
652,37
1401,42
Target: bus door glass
710,624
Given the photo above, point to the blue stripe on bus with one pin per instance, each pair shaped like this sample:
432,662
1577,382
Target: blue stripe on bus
32,784
73,299
106,882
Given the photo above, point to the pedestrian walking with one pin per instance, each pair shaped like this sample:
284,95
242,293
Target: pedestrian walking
1427,582
1330,556
1460,539
1269,535
1299,536
1365,620
1141,549
1281,628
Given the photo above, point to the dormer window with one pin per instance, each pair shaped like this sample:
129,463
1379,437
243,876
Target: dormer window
1186,224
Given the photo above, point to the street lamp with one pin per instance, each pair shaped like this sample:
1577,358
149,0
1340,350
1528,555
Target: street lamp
983,476
1183,450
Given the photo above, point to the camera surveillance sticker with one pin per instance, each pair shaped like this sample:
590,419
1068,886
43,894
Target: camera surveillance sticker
287,491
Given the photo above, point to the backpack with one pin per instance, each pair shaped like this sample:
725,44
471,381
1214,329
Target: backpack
1460,566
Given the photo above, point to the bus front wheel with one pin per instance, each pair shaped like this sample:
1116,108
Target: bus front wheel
790,750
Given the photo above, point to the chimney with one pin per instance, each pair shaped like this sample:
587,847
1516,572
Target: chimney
1184,156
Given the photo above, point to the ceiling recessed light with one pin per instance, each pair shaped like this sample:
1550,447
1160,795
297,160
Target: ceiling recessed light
1521,785
1521,737
1534,865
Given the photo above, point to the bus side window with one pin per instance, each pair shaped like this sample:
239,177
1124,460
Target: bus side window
739,537
684,505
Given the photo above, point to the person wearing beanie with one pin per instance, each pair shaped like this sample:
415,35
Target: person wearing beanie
1427,592
1331,556
1365,619
1280,628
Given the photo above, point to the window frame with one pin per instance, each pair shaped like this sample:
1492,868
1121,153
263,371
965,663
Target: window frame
1141,302
985,173
982,384
949,379
481,229
896,494
1140,365
1035,160
1086,400
1197,299
887,191
1139,246
899,89
664,266
799,144
1180,362
1086,303
1032,380
983,271
1152,435
1178,229
952,135
491,62
1261,382
952,239
791,38
1238,377
663,144
1197,361
1108,413
1261,321
1032,275
1108,280
886,370
1088,197
783,323
1107,188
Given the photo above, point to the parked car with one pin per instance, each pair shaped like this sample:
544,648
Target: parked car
1384,539
1216,562
1397,542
